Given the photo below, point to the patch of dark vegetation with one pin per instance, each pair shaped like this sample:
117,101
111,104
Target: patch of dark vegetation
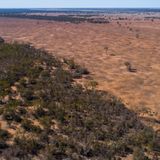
1,40
60,18
4,135
129,67
77,70
54,118
152,18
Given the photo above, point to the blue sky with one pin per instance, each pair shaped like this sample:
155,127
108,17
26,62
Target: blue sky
78,3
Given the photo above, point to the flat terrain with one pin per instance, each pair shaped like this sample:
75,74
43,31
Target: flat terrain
103,49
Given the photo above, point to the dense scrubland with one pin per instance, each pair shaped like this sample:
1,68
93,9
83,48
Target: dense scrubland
59,18
46,114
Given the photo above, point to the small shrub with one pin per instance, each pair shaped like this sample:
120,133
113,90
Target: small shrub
23,82
76,75
28,126
11,115
1,40
4,135
39,112
138,154
46,122
71,63
28,94
45,74
29,146
22,110
79,71
82,70
3,144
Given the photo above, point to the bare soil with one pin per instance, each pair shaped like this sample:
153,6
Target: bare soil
103,49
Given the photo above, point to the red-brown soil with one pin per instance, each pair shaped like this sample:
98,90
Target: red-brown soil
103,49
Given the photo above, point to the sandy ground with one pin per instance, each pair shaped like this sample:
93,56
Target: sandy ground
103,49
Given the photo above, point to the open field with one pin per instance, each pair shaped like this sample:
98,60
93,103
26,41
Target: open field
104,49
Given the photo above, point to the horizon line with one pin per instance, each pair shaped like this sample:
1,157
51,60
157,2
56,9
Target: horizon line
80,8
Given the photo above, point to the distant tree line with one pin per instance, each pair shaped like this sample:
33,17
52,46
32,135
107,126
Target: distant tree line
59,18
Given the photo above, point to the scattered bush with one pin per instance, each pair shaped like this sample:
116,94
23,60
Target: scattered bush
80,71
76,121
10,113
28,94
39,112
28,126
1,40
138,154
28,145
71,63
3,144
4,135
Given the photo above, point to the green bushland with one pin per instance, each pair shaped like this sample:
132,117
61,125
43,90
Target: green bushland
54,118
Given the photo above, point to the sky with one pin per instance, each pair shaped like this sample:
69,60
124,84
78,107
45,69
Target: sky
79,3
